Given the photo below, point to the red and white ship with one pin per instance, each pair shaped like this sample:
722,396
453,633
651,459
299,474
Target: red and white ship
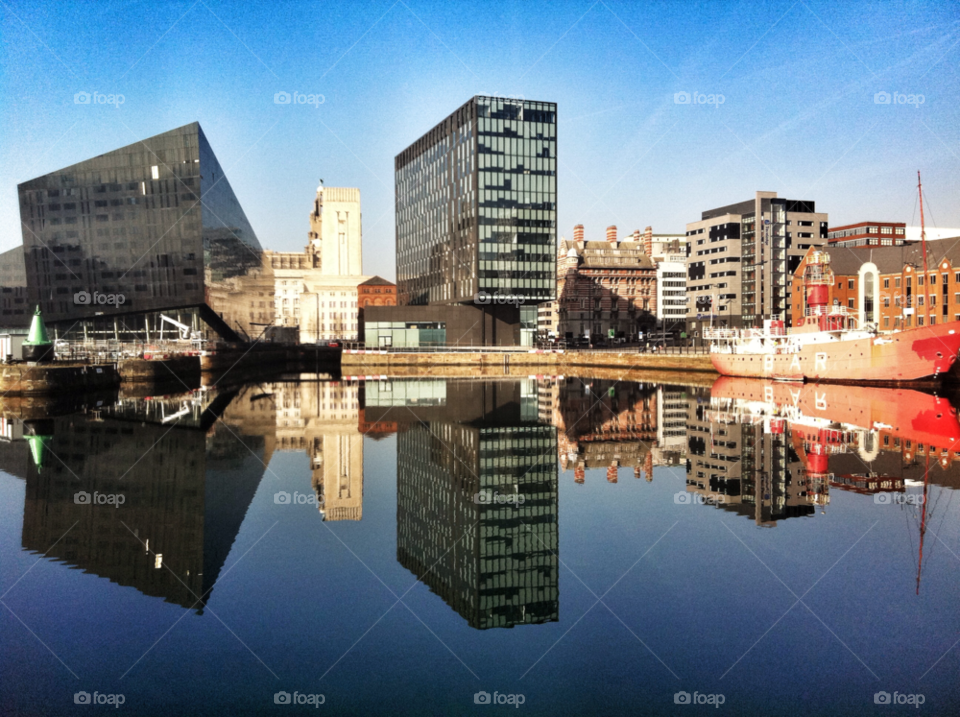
829,345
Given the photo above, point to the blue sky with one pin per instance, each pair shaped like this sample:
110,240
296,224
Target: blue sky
798,116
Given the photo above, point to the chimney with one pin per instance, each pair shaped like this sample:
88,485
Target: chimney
612,472
578,233
648,241
612,234
579,474
635,236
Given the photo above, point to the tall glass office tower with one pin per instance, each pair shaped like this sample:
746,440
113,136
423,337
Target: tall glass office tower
476,201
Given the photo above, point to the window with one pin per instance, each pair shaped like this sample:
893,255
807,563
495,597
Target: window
886,322
850,284
850,303
886,283
155,172
920,280
896,282
886,302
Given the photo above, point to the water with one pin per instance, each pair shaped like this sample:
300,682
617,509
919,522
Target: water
417,546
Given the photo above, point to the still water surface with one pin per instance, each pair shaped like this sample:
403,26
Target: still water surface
423,546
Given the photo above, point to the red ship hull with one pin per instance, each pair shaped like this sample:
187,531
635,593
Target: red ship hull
911,355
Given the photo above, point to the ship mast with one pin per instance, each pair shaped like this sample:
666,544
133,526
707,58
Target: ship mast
923,242
923,520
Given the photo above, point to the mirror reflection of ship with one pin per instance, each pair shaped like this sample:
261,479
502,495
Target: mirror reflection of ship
863,439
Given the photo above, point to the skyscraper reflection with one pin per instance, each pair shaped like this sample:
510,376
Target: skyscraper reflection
476,496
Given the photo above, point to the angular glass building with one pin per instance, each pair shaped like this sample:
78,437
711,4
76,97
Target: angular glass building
152,228
476,207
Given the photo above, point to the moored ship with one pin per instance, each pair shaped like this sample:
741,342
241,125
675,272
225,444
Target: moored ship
830,345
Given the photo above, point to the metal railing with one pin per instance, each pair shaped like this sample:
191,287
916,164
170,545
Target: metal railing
113,351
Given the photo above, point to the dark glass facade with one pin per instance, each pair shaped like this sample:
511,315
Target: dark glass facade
155,222
476,201
14,309
494,563
182,507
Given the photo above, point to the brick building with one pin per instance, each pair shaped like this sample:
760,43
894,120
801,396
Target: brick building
865,234
376,291
605,288
886,285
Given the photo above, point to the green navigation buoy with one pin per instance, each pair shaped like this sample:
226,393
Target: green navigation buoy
37,444
38,347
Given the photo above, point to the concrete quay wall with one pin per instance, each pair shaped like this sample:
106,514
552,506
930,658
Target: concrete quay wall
358,363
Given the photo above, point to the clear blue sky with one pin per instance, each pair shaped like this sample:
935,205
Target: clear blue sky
798,116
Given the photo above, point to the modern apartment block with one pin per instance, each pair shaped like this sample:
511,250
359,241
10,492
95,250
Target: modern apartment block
742,258
742,466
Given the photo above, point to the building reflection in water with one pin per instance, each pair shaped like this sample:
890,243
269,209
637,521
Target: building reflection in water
780,447
321,419
609,424
477,468
185,491
476,495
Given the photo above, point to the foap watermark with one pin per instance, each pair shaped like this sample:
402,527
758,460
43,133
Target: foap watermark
298,698
898,498
97,498
698,98
698,698
483,298
298,98
485,698
898,98
296,498
98,98
98,698
898,698
491,497
684,498
85,298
